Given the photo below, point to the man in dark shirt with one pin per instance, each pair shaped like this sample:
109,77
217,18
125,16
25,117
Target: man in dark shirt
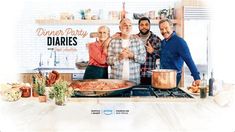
152,46
174,52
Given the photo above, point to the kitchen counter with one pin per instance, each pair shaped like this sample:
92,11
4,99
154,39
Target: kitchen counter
117,114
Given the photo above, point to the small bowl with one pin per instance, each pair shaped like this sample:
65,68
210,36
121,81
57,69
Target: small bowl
81,65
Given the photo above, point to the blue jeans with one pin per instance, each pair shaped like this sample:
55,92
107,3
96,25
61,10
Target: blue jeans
178,78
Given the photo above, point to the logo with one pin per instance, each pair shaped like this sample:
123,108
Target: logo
108,112
97,112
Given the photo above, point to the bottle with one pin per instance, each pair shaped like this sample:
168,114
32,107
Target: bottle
40,60
123,12
203,87
211,84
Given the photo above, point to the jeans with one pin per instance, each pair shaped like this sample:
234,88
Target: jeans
178,78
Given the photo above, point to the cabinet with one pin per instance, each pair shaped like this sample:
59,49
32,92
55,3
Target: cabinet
27,77
66,77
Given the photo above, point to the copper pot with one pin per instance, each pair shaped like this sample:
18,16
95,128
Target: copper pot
26,91
164,78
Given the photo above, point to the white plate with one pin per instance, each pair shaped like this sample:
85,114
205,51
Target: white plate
197,94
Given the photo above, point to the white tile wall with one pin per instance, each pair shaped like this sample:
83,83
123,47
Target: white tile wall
30,46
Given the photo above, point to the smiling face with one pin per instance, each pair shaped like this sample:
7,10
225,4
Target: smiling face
103,33
125,26
166,29
144,27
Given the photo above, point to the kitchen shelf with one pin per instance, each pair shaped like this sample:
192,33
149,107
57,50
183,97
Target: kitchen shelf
87,22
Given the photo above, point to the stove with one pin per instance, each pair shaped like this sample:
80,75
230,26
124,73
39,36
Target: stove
149,91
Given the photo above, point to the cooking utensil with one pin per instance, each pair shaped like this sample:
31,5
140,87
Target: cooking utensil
164,78
110,92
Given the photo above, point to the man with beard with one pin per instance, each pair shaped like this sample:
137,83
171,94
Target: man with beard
152,46
125,54
174,52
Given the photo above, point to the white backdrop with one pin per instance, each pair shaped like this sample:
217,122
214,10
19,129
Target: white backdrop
221,32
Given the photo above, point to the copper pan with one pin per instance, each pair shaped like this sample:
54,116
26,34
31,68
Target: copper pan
164,78
111,92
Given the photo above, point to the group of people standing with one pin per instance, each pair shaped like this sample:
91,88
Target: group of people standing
133,56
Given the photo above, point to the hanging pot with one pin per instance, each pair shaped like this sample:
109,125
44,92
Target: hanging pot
164,78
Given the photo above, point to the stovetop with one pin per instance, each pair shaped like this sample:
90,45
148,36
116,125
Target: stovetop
148,91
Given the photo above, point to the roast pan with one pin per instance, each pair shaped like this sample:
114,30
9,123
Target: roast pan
97,93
